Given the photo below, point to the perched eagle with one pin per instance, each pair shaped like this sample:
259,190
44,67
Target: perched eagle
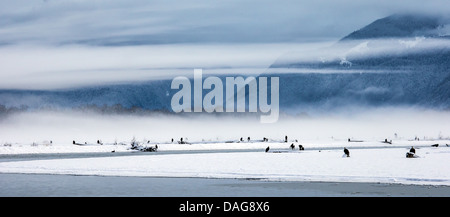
346,152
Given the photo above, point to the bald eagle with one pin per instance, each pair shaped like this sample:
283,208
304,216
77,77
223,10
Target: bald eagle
346,152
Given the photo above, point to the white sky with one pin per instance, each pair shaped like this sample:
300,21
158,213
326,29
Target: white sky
169,21
61,43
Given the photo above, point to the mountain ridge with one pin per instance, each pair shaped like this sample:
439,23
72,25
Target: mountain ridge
399,25
412,77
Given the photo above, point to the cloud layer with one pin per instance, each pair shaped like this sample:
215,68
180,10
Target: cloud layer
64,43
49,67
121,22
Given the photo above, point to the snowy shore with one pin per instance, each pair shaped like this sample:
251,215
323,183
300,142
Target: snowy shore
42,143
46,147
370,161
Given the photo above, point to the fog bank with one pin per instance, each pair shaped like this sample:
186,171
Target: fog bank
374,124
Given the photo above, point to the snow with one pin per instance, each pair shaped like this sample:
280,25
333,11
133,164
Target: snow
214,150
44,148
376,164
55,148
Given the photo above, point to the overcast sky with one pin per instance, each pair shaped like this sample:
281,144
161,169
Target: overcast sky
65,43
125,22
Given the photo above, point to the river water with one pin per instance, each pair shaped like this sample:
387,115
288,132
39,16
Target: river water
30,185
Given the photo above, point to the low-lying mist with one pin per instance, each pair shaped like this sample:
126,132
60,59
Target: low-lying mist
62,127
50,67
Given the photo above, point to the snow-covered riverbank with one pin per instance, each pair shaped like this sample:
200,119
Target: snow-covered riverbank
43,143
321,163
